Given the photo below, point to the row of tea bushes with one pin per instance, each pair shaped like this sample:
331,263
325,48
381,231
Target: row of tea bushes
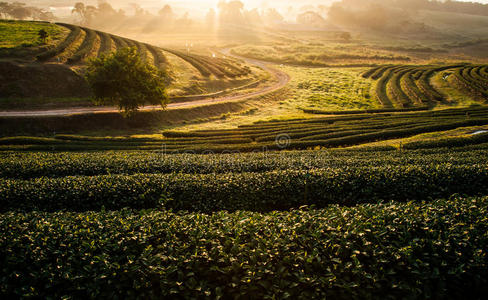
275,190
26,165
299,134
449,142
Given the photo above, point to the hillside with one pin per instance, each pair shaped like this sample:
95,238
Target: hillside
55,69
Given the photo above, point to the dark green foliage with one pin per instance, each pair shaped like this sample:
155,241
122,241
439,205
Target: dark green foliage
207,66
412,250
427,89
484,72
370,72
141,49
124,80
43,36
378,73
395,89
411,89
473,86
380,89
27,165
272,190
120,42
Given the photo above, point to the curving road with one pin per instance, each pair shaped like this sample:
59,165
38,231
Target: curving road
282,79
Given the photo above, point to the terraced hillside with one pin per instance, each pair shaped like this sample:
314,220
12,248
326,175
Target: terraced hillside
403,86
93,43
80,44
326,132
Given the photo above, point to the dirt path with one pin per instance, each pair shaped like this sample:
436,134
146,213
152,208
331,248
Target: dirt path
281,80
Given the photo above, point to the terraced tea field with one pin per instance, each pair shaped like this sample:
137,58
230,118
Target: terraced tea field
93,43
328,132
403,86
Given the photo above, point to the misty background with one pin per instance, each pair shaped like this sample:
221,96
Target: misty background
149,20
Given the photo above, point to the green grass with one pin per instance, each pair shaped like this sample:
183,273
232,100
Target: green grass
25,34
321,55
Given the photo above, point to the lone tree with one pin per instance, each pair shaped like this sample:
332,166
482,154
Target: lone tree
124,80
43,35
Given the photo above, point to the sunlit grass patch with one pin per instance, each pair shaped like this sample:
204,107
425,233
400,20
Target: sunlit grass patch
25,34
330,88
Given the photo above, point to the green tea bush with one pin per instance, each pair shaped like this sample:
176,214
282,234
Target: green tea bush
105,43
85,48
413,250
160,60
266,191
449,142
27,165
380,89
120,42
484,72
365,111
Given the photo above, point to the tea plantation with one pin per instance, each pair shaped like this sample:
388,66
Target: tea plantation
354,128
359,223
385,203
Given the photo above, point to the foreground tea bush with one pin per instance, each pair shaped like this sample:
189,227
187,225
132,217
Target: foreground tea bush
27,165
410,250
275,190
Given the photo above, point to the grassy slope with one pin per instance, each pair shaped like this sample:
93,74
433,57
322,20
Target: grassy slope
25,34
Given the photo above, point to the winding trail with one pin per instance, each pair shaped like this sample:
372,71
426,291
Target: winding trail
282,79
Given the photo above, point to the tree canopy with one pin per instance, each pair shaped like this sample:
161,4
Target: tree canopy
43,35
20,11
124,80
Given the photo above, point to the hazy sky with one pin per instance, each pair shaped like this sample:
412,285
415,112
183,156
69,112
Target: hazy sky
250,3
194,7
195,3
